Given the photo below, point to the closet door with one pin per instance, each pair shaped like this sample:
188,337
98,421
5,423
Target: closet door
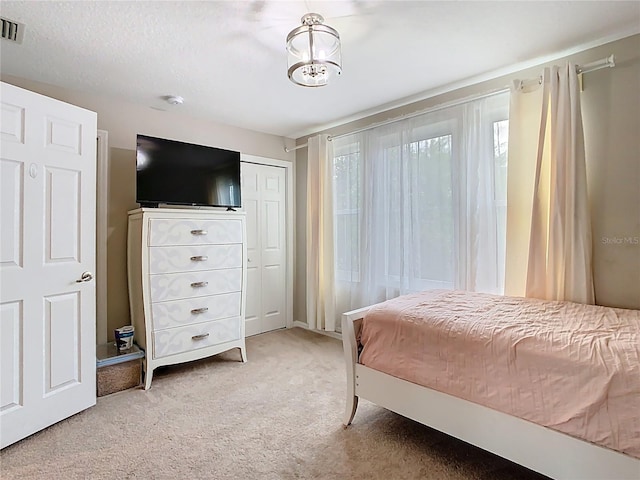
47,256
264,201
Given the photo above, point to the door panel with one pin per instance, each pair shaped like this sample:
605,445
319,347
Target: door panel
272,298
252,321
271,237
64,135
250,202
273,248
252,304
11,322
12,125
11,213
48,163
264,201
62,215
61,341
250,206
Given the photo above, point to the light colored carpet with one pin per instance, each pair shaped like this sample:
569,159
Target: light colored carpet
276,417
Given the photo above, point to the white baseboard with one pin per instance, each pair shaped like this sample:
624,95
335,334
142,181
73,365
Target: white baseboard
299,324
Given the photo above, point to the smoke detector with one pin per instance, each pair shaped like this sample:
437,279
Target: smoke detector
174,99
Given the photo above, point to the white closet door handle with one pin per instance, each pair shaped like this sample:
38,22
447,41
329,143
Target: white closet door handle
85,277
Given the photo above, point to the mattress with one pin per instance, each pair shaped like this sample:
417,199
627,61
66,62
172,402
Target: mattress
570,367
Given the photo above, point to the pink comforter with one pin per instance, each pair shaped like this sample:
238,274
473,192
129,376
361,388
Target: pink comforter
571,367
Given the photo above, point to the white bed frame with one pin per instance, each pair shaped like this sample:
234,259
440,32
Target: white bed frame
546,451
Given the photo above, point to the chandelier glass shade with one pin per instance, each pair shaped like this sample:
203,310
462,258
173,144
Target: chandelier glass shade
313,52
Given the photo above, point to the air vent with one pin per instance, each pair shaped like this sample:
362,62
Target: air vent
12,31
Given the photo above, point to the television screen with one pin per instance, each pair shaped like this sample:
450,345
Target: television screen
180,173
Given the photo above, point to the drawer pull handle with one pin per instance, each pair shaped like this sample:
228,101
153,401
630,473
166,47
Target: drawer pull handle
199,284
202,336
200,310
200,258
198,232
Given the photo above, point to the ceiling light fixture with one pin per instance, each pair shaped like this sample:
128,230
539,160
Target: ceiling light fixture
313,52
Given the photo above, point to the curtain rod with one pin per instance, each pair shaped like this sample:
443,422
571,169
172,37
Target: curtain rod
608,62
407,116
302,145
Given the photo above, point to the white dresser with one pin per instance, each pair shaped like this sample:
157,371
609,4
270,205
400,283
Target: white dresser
187,283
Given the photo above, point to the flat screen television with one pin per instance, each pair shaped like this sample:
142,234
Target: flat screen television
178,173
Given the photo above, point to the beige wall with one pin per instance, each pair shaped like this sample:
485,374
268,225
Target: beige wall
123,121
611,116
611,113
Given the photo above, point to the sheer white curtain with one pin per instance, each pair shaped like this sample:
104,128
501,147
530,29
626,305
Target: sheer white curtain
550,249
321,314
420,203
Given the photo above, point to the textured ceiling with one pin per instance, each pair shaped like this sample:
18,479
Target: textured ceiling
227,58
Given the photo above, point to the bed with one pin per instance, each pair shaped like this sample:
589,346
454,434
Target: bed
509,375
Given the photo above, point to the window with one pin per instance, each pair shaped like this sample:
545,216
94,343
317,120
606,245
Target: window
421,203
500,143
434,205
347,206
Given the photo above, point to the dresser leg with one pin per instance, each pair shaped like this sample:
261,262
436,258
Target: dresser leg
243,354
148,376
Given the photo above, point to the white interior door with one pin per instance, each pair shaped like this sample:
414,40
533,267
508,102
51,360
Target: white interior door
264,201
47,242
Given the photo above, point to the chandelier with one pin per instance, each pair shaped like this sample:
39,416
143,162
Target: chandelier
313,52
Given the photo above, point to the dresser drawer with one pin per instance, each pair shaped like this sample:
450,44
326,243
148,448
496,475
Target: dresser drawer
194,258
193,231
176,286
179,313
193,337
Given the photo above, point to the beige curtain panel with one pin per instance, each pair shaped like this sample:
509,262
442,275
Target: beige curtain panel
321,312
549,246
